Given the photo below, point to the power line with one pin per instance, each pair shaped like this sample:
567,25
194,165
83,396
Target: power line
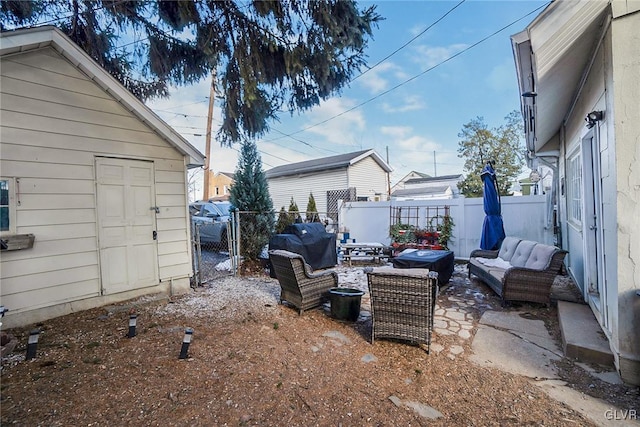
218,122
414,77
409,42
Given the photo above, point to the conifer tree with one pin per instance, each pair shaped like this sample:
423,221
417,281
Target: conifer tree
267,56
283,220
294,212
312,210
250,195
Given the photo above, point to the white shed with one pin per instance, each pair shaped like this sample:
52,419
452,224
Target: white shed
93,175
362,175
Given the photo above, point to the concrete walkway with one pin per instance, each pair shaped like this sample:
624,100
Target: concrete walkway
513,342
510,341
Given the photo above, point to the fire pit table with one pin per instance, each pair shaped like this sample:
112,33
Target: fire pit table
434,260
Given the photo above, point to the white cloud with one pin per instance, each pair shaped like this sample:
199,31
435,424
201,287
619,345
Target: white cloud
410,151
375,80
342,130
396,132
430,56
408,103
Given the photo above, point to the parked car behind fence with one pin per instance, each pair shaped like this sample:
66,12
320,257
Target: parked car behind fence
211,218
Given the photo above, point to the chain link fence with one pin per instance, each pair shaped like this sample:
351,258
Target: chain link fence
210,260
245,250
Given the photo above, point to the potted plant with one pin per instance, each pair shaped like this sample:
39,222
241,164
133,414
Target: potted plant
445,230
402,233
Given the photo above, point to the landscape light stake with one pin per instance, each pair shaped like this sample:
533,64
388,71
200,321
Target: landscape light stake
32,345
188,333
132,325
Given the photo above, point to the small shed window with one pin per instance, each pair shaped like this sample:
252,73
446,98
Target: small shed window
7,208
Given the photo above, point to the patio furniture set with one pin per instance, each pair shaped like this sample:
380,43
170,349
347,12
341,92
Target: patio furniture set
402,301
403,298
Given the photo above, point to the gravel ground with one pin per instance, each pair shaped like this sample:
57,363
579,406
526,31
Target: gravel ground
256,362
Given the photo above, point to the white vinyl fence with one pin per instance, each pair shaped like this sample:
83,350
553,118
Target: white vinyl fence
526,217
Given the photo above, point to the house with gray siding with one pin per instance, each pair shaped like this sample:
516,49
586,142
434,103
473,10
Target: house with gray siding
93,179
358,176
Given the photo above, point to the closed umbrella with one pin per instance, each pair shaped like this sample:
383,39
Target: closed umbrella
492,228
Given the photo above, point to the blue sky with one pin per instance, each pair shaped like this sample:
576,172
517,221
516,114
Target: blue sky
421,117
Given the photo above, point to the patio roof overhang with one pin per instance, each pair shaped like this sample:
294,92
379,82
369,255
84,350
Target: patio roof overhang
551,56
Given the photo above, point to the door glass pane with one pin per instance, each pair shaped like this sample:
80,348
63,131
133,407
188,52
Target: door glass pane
574,173
4,205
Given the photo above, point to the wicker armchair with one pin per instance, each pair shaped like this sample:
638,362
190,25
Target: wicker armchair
402,303
300,285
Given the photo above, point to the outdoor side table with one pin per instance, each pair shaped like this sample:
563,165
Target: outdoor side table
434,260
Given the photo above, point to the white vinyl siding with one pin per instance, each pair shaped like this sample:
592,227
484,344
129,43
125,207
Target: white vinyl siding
55,122
369,179
283,188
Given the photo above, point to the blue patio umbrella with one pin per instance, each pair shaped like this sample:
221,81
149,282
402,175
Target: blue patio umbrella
492,228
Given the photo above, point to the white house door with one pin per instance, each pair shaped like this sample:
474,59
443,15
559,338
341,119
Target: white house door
593,228
126,224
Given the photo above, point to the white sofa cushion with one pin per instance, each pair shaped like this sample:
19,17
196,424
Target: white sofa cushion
540,257
494,262
508,248
522,253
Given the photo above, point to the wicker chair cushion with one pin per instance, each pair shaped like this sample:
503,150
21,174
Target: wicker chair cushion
508,248
286,254
402,272
522,253
540,257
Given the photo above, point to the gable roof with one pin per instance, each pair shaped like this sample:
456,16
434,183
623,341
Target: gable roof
431,191
229,175
18,41
433,179
327,163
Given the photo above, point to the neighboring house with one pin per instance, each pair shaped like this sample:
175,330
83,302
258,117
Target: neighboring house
220,185
94,175
362,175
578,64
413,174
438,187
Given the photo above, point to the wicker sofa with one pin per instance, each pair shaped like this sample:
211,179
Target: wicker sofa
522,270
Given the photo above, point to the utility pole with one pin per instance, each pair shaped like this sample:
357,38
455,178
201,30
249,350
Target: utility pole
434,164
388,177
207,161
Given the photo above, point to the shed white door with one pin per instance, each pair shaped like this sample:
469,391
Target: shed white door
126,224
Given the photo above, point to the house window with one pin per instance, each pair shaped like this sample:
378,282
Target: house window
217,191
574,190
7,206
226,189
